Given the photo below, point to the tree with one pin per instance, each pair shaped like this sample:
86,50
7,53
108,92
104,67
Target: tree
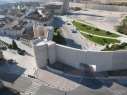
1,55
14,45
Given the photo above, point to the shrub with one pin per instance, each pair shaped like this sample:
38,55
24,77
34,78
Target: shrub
108,33
116,46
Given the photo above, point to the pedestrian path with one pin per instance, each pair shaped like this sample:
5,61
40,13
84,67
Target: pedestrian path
33,88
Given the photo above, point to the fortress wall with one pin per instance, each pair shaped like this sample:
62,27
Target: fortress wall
102,60
41,55
119,60
75,57
67,55
52,52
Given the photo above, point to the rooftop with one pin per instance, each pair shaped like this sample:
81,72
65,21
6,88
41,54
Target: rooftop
2,16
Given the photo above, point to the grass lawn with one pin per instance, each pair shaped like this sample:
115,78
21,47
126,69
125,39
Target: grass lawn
93,30
100,40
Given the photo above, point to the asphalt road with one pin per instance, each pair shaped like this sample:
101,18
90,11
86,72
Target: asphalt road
73,39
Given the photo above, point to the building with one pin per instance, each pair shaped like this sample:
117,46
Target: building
58,7
54,7
65,7
41,15
39,31
28,32
43,32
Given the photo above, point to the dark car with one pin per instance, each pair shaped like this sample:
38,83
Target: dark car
11,61
3,48
68,23
74,31
21,52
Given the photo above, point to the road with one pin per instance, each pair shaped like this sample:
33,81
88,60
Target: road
73,39
106,20
76,40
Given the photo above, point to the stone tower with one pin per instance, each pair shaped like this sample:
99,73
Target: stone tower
65,7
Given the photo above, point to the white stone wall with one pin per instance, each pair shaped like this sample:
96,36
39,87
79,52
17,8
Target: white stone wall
50,33
70,56
103,60
52,52
41,55
119,60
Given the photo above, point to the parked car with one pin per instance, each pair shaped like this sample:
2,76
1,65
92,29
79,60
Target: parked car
3,48
21,52
68,23
11,61
74,31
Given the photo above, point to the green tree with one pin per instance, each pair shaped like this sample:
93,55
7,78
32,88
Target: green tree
14,45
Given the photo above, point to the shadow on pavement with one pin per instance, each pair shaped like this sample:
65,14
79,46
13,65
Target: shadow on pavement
90,80
7,91
10,71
